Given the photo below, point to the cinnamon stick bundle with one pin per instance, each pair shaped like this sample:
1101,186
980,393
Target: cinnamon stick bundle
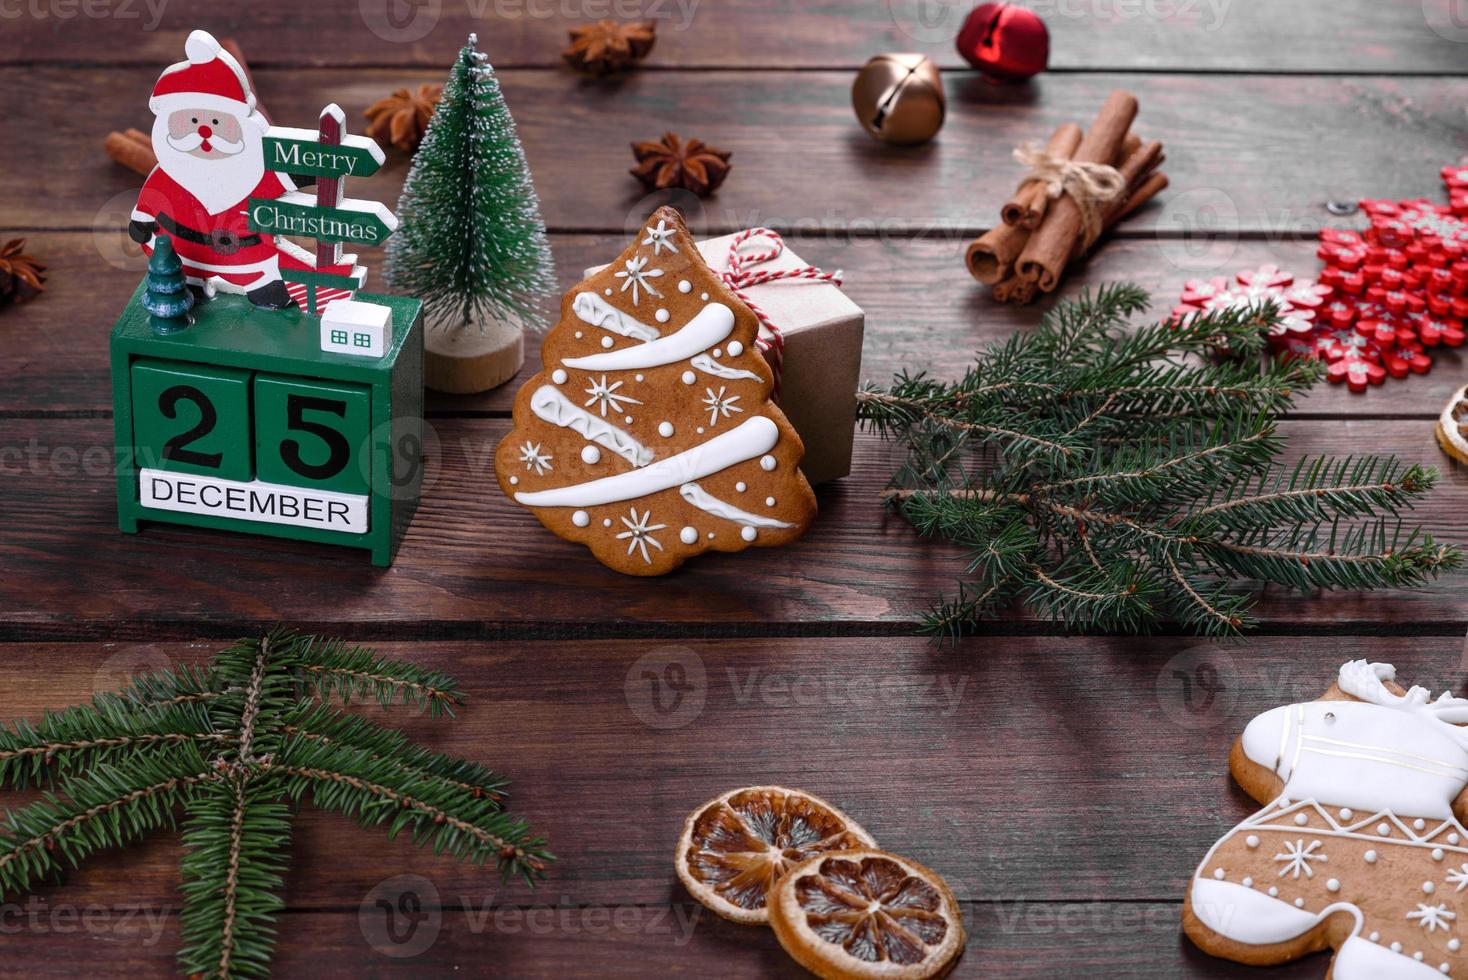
1049,249
991,258
133,148
1039,235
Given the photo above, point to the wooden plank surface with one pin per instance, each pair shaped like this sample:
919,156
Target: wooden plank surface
1065,785
800,160
1303,36
1116,940
1066,798
479,565
923,313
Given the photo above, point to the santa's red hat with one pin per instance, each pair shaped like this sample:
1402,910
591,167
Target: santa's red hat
210,79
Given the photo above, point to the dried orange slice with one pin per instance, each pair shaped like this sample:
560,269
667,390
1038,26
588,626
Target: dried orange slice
865,914
736,846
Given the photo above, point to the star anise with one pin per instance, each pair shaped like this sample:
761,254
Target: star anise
674,162
20,274
402,118
607,47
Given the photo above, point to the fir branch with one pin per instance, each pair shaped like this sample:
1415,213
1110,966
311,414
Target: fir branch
1168,494
237,835
337,670
108,808
233,746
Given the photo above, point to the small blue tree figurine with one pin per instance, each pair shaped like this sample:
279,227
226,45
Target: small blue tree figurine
167,297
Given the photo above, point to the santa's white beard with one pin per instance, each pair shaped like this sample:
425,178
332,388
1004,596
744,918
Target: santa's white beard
220,183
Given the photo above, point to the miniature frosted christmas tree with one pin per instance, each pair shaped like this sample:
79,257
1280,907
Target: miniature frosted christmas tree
166,297
649,436
473,245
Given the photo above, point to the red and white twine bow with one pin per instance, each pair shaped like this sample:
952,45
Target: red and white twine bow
739,277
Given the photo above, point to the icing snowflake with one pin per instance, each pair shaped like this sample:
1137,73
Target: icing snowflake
1297,858
639,533
1433,917
720,405
1459,877
605,396
660,238
534,459
637,275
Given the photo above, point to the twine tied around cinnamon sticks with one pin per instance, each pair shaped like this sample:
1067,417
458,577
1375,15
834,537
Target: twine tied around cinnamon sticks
1090,185
1043,232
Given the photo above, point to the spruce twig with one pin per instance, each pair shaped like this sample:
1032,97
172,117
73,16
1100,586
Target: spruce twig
1116,477
232,748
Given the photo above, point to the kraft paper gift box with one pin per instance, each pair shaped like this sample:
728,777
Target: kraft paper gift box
822,329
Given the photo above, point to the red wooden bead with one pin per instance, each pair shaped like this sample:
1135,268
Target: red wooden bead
1356,373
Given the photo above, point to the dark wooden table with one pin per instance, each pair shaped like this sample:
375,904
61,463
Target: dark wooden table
1065,786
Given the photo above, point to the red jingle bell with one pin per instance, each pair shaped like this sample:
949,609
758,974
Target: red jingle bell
1005,41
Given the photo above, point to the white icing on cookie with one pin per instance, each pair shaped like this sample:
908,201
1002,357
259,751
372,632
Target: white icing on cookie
689,535
552,406
581,518
744,442
590,455
712,324
708,365
665,429
735,348
558,376
706,502
596,311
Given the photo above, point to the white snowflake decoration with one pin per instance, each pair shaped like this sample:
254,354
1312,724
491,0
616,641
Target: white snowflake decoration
1297,858
719,404
1459,877
660,238
637,275
534,459
639,533
604,396
1433,917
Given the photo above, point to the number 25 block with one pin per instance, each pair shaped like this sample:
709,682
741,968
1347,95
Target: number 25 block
312,433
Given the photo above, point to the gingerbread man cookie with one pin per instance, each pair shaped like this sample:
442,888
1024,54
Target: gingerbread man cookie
649,435
1359,847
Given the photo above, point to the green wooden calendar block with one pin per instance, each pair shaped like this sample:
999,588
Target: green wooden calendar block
313,433
192,418
286,411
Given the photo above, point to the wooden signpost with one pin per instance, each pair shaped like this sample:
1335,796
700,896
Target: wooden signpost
331,218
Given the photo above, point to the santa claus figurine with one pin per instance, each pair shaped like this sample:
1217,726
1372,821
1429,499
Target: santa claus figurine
209,138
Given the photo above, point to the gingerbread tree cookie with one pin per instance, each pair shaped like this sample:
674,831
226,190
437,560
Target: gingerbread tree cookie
649,435
1359,847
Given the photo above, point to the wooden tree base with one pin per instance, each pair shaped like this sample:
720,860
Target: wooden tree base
468,360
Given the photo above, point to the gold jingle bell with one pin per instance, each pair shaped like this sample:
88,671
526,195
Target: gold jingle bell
899,98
